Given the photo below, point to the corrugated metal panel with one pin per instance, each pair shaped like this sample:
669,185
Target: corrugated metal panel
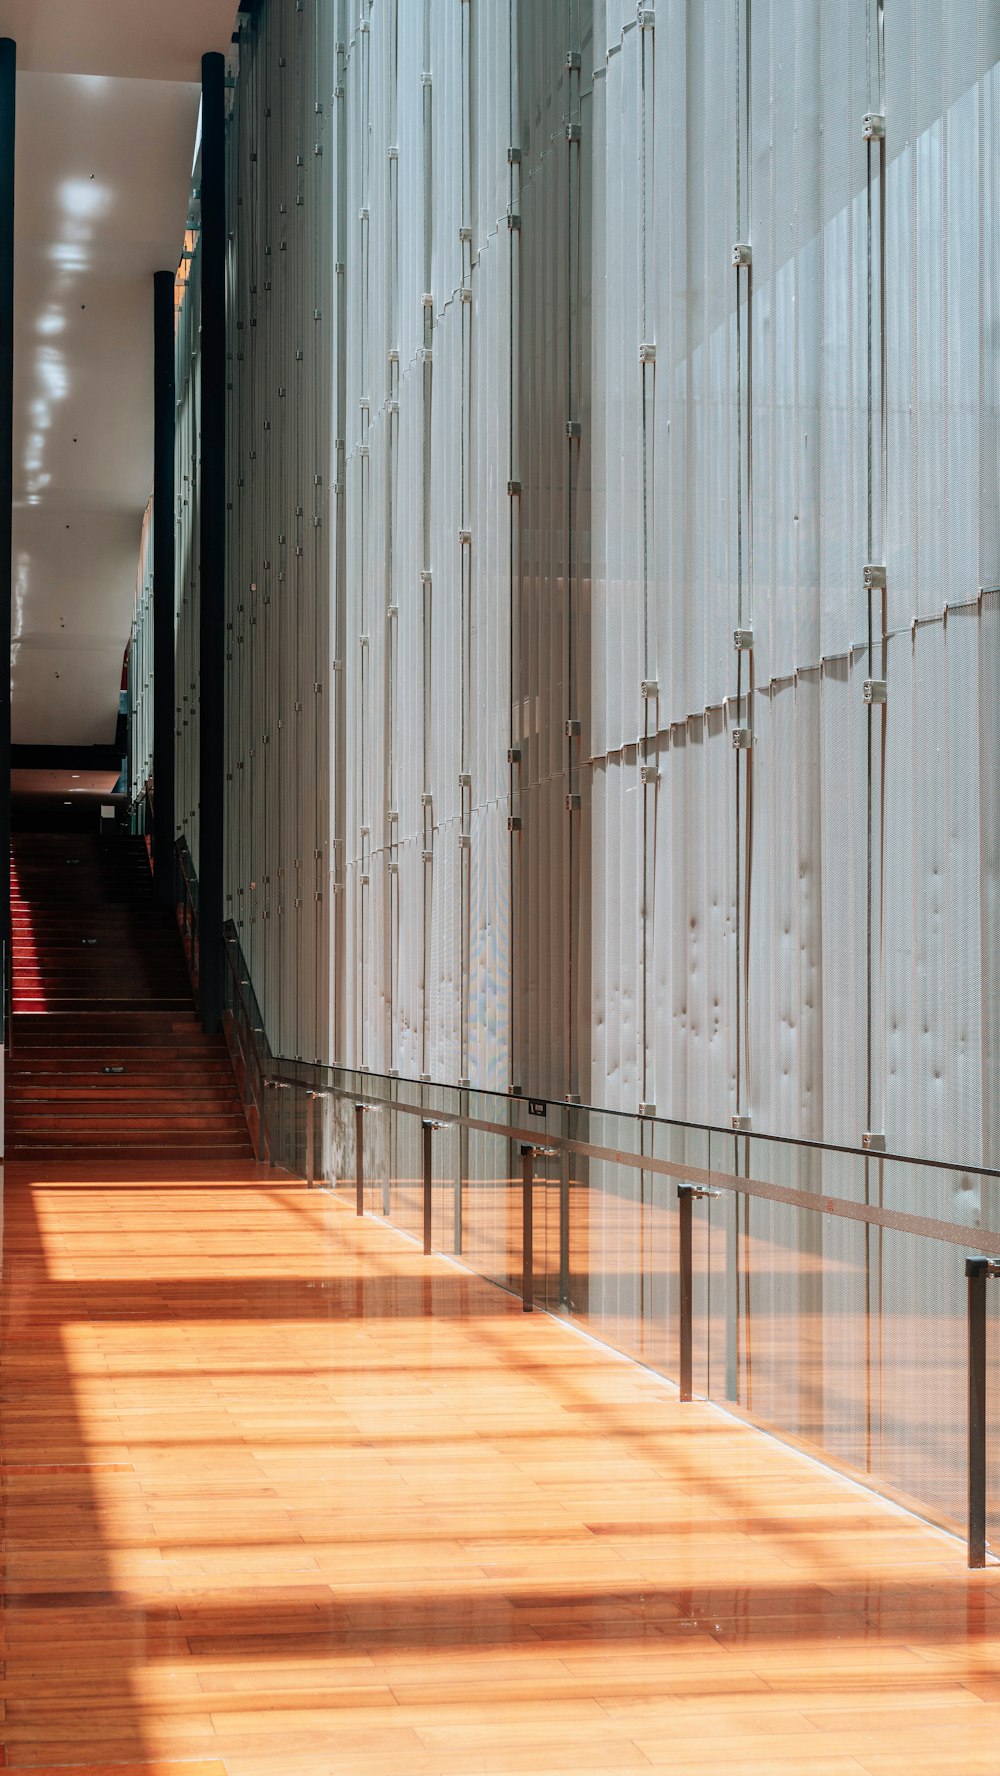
280,691
551,449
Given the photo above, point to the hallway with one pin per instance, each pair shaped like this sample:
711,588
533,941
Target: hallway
283,1496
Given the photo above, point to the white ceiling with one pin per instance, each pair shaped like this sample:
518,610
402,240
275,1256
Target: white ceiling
107,109
126,39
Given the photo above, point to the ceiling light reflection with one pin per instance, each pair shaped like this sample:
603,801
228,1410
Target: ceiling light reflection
84,198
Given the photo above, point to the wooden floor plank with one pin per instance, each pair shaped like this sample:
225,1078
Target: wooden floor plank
281,1497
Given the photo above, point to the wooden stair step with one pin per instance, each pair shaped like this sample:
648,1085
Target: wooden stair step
108,1056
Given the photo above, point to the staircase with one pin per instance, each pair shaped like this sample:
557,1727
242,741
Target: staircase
108,1056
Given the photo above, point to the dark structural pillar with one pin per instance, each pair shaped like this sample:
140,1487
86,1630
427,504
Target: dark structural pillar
164,422
8,80
212,538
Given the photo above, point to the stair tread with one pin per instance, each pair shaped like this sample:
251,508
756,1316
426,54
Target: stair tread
121,1001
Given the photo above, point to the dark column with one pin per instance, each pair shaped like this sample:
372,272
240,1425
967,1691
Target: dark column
164,419
8,79
212,536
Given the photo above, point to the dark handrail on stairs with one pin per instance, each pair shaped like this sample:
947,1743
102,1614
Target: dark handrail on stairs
249,1048
8,996
186,898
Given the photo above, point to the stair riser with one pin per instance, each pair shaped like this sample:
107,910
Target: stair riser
121,1001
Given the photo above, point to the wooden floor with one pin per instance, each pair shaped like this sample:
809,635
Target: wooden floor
281,1496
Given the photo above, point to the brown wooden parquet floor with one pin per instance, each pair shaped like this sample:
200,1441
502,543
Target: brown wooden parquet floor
281,1497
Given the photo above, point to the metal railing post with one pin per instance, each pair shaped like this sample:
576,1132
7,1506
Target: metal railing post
266,1099
359,1158
261,1143
310,1139
428,1128
977,1271
686,1277
527,1228
686,1194
528,1152
461,1173
564,1231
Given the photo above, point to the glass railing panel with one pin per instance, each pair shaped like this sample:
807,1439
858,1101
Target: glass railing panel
797,1298
993,1415
337,1143
686,1152
919,1369
828,1294
448,1144
715,1369
491,1206
606,1203
403,1201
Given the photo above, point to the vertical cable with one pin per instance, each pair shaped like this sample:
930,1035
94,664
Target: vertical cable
341,1047
362,896
427,379
572,457
743,759
649,787
516,739
466,549
390,878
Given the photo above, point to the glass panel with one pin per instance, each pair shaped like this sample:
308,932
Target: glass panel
992,1417
843,1334
405,1204
491,1232
919,1369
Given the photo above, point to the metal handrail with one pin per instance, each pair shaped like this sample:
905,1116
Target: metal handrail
315,1074
186,896
189,875
8,995
247,998
702,1177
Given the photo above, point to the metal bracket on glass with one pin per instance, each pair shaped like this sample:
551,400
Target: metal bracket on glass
978,1271
686,1194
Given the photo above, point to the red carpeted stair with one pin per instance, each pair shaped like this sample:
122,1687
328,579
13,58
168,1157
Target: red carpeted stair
108,1055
